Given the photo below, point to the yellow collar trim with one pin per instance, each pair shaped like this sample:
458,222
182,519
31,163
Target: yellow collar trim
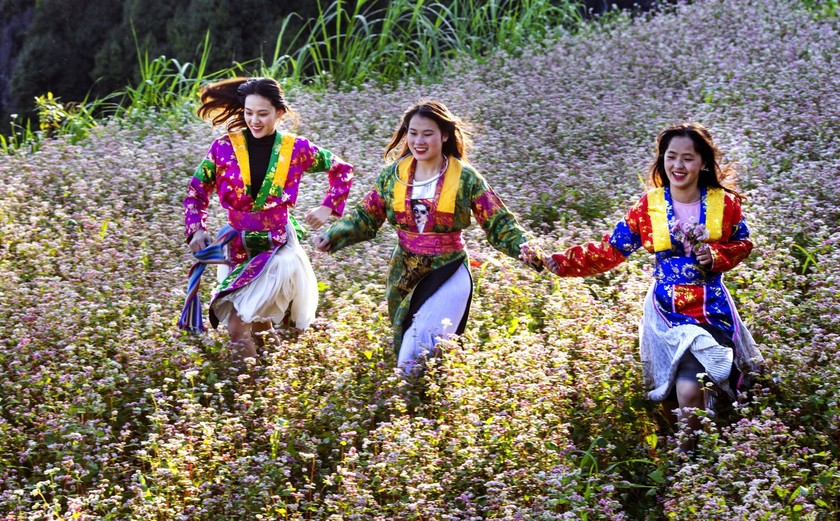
284,160
240,150
715,198
448,195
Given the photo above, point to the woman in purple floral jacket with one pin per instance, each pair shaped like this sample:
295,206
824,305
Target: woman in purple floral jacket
255,171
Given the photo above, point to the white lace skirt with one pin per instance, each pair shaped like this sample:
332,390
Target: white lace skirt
286,284
663,346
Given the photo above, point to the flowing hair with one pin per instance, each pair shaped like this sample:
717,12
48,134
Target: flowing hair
713,173
223,102
450,125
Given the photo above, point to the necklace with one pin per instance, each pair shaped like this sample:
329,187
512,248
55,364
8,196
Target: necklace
426,181
418,183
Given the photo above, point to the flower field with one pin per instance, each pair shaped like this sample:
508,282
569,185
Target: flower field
108,411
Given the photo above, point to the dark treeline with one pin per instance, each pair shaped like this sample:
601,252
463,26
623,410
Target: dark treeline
79,48
75,48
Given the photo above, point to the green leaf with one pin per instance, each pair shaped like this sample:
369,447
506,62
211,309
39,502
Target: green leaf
104,229
514,323
657,476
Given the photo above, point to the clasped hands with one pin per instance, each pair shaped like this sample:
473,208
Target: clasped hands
316,218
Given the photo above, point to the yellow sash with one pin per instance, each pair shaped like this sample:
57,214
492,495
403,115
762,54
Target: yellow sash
715,198
240,150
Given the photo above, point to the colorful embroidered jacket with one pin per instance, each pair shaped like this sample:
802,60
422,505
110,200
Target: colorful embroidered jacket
460,192
261,220
684,292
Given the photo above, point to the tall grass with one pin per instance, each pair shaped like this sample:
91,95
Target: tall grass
349,44
165,83
166,88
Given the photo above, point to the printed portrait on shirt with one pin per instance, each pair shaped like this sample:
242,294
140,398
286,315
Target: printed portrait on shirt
420,208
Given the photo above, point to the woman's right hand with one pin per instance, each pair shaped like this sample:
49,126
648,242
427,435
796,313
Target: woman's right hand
199,240
321,243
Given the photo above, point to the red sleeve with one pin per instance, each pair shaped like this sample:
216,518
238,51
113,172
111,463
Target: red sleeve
589,259
735,244
727,255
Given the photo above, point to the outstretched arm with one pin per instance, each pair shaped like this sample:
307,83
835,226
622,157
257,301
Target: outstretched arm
589,259
598,257
501,227
340,176
359,224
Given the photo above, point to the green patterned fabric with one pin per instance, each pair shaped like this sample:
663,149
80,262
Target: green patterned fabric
474,199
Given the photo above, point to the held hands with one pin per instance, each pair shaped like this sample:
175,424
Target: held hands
316,217
533,256
199,240
321,243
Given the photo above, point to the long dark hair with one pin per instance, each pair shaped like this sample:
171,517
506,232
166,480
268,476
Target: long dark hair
223,102
712,175
458,142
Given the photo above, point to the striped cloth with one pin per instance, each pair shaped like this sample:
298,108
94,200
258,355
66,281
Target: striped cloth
213,254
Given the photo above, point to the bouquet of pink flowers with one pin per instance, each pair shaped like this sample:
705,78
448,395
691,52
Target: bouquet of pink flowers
690,233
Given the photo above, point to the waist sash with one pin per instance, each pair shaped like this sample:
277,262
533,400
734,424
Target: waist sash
262,221
430,243
190,319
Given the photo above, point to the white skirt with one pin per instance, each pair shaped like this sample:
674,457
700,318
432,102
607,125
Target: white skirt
662,347
286,284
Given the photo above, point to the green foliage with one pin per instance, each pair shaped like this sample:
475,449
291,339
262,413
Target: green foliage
350,43
823,8
567,205
165,83
78,47
21,136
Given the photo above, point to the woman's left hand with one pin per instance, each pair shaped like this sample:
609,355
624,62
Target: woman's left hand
316,217
704,255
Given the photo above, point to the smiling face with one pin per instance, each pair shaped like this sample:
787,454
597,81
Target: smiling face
682,166
260,115
425,140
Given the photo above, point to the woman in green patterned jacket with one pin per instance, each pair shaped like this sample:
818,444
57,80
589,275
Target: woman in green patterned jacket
428,193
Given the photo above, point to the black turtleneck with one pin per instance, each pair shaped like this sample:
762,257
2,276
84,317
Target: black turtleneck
259,152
